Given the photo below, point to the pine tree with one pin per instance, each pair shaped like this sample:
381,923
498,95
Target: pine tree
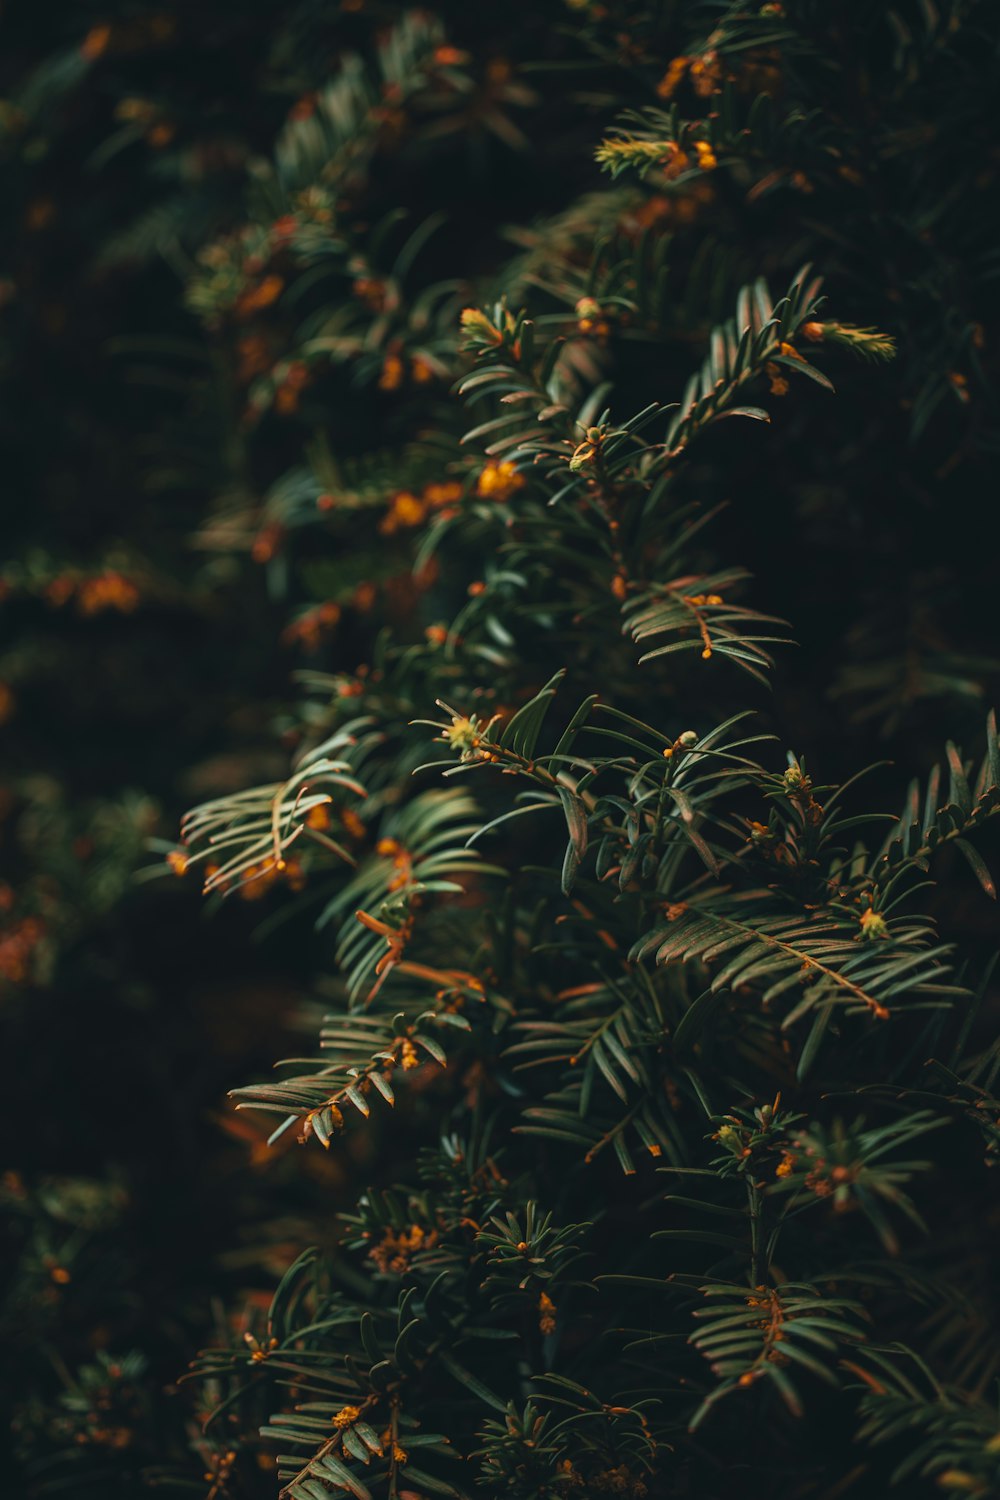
657,1063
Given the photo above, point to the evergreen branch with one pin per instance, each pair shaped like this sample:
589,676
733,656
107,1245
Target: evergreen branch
773,1335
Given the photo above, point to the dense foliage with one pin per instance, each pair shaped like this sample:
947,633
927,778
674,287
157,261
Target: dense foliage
598,399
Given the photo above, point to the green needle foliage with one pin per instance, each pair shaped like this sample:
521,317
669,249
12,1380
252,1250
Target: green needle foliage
657,1045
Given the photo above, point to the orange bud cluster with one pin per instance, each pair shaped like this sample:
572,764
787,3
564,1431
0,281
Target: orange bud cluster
309,629
681,208
778,383
675,161
259,294
401,860
319,817
498,481
351,823
397,1248
252,358
405,509
18,944
393,373
258,879
108,590
593,321
291,378
397,369
706,74
266,542
346,1417
408,509
371,292
450,57
308,1126
96,42
259,1351
673,77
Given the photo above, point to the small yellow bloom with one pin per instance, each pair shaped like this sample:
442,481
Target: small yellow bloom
873,924
462,734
